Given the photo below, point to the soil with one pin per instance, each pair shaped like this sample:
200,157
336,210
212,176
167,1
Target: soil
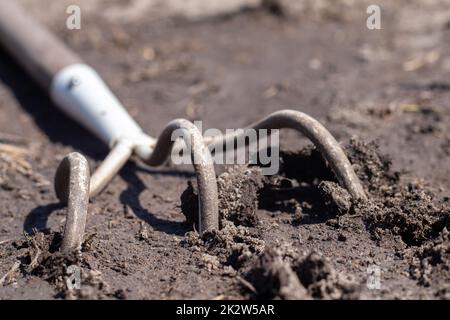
296,235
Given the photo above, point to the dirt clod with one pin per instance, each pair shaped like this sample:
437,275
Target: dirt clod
238,196
316,273
336,198
234,246
431,264
274,278
372,168
412,213
69,273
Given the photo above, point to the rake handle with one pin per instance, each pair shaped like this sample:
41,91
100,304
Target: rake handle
74,87
32,45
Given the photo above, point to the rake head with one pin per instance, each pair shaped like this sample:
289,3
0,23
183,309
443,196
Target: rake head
72,177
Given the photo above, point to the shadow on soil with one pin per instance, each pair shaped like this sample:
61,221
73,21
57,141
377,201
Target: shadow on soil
130,197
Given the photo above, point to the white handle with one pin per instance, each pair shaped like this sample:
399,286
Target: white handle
80,92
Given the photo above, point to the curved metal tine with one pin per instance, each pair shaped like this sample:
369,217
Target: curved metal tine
321,138
72,188
203,166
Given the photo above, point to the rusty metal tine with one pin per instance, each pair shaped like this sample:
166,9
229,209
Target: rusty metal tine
72,188
203,166
321,138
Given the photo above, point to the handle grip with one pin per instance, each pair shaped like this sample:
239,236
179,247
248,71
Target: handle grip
74,87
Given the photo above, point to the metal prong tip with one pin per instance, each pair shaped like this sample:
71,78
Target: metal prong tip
72,188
